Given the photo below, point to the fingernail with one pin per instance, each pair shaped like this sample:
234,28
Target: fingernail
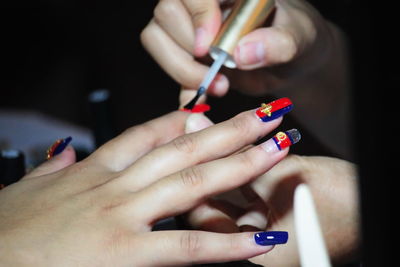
219,84
196,122
275,109
271,238
58,147
251,53
281,141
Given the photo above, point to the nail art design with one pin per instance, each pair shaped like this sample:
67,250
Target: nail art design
286,139
275,109
271,238
58,147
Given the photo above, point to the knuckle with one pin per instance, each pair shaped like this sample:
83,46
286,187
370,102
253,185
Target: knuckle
146,35
190,244
192,177
185,143
241,124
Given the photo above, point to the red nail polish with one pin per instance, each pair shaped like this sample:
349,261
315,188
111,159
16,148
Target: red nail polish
275,109
286,139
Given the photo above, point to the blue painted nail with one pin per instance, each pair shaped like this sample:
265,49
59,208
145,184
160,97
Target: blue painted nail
58,147
271,238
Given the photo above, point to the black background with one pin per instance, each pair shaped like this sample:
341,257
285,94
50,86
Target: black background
55,52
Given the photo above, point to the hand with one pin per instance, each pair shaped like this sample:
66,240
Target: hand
283,59
100,211
298,42
267,204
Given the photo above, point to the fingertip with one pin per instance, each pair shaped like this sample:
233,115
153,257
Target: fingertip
220,86
196,122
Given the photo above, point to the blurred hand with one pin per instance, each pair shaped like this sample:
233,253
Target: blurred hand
100,211
267,204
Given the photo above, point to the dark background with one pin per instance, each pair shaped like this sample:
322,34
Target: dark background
55,52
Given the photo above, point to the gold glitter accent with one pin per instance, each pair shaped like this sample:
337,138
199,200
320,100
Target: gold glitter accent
281,136
266,109
51,149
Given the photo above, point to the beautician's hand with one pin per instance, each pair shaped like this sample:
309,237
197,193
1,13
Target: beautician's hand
298,42
300,55
99,211
267,204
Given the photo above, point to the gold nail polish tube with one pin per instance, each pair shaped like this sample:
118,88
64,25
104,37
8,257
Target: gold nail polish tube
246,15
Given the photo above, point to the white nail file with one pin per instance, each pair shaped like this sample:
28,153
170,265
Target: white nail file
310,241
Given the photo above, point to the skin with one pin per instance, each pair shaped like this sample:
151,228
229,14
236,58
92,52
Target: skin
297,54
99,211
267,204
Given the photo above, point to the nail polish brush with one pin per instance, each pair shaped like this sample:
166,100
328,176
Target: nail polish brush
245,16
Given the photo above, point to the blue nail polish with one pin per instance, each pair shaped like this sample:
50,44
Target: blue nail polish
271,238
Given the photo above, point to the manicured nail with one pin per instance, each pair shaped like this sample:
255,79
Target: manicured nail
282,140
196,122
271,238
199,108
252,53
58,147
275,109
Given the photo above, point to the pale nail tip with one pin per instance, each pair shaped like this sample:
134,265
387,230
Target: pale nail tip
294,135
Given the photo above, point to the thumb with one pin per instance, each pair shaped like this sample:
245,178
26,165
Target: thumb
206,18
265,47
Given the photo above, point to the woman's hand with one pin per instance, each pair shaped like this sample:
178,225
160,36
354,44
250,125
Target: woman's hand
267,204
100,211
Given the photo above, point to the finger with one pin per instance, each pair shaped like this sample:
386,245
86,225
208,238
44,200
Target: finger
175,61
177,248
207,19
265,185
215,216
174,19
184,190
123,150
214,142
65,159
256,216
197,122
292,32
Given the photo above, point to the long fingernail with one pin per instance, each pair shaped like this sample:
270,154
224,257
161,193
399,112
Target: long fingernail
196,122
281,141
271,238
58,147
252,53
275,109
